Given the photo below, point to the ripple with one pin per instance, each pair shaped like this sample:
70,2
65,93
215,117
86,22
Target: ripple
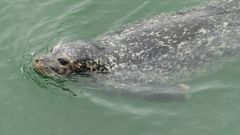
131,13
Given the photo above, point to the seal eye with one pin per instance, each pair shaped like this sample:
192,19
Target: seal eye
63,61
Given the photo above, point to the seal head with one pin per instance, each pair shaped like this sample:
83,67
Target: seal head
69,58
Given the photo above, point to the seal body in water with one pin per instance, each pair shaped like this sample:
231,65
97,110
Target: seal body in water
154,56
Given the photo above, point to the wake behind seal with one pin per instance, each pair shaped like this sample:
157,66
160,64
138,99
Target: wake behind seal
153,57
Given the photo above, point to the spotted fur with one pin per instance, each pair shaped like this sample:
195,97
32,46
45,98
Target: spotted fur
169,48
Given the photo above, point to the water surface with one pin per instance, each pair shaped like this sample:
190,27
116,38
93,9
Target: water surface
32,105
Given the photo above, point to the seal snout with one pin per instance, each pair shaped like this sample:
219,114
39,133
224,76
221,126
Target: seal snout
38,62
38,65
48,66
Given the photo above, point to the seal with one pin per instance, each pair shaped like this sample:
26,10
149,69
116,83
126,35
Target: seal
155,55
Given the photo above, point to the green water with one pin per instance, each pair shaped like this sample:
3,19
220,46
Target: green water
29,108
